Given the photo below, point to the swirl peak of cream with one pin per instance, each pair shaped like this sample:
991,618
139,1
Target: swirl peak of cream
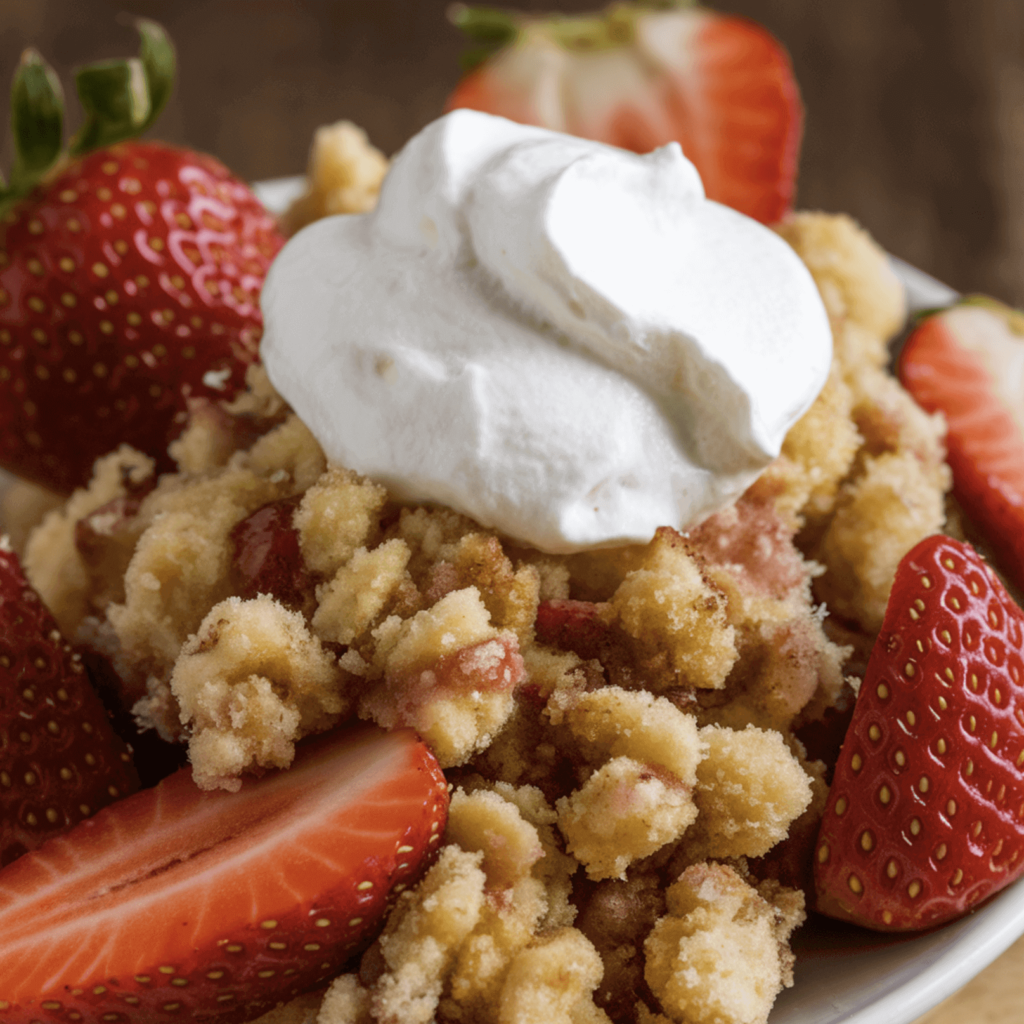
564,340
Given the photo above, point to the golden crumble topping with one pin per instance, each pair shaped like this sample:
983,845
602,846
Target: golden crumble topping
344,176
250,682
851,271
720,952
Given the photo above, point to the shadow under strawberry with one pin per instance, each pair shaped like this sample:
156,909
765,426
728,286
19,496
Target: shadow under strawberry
154,757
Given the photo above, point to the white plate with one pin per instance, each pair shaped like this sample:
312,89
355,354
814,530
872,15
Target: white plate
845,975
276,194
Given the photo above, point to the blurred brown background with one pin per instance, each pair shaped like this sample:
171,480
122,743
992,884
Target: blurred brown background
915,108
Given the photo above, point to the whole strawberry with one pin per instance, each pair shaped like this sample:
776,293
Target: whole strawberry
129,275
925,817
59,758
642,74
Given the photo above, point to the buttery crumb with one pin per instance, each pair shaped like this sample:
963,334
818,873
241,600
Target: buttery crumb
344,176
715,957
249,683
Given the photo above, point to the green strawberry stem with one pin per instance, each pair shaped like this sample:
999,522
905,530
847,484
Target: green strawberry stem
156,51
121,99
489,29
115,98
37,119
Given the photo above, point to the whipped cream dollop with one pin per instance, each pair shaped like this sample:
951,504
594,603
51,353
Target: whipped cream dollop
564,340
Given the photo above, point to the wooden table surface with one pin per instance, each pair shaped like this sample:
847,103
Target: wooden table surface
914,125
996,996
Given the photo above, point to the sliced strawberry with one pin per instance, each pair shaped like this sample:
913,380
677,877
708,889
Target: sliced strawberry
968,363
214,906
60,760
925,817
638,78
129,281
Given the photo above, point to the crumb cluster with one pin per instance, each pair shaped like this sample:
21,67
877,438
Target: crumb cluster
627,732
344,175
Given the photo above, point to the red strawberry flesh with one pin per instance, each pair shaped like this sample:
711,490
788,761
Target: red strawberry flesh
985,443
639,78
742,114
925,813
219,904
573,626
266,554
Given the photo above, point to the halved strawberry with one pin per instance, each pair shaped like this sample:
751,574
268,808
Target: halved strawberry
925,817
967,362
639,76
214,906
129,274
60,760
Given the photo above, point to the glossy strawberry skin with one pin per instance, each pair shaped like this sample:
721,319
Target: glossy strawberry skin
925,816
128,287
719,85
985,444
215,906
60,760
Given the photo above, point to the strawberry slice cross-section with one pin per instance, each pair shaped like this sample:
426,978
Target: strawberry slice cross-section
967,363
640,75
182,904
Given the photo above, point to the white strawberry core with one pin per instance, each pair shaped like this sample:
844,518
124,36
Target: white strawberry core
564,340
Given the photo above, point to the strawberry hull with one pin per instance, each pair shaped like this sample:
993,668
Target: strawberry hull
216,906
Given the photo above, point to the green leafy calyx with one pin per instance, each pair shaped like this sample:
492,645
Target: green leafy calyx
490,30
120,98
